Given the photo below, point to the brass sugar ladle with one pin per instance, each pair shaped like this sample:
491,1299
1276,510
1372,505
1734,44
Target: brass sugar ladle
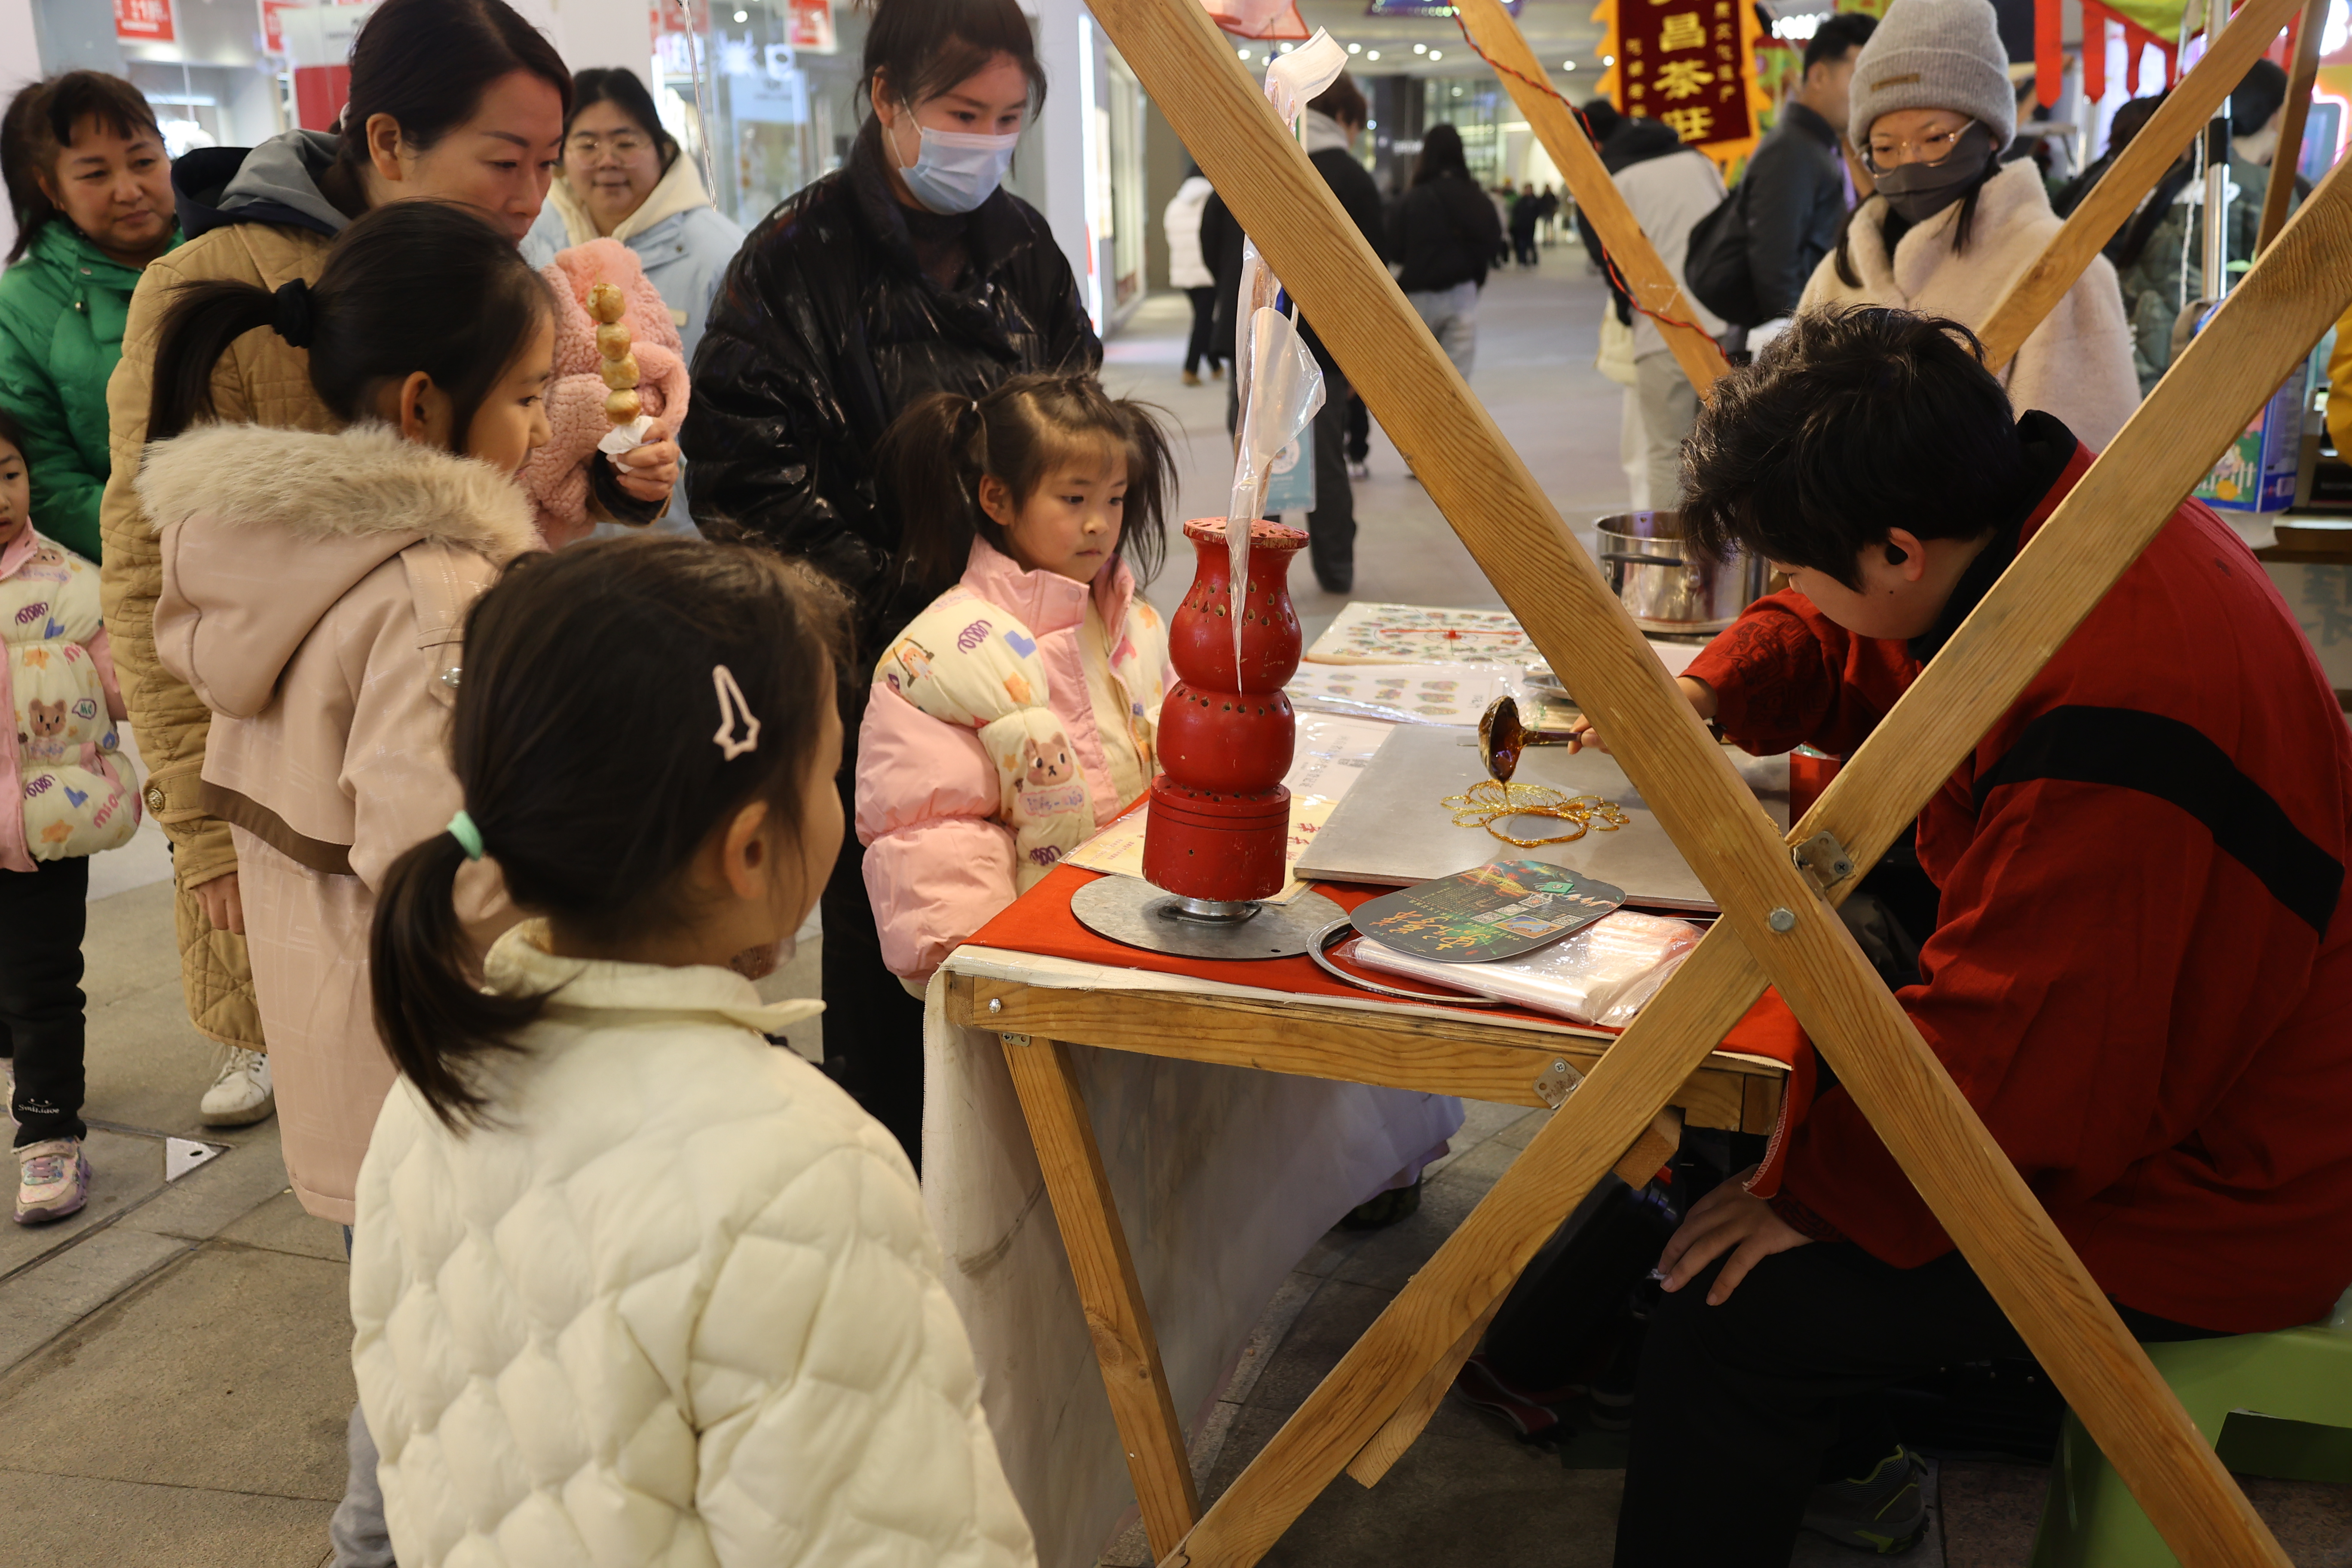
1501,738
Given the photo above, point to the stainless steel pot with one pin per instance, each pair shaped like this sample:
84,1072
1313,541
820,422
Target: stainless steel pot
1666,583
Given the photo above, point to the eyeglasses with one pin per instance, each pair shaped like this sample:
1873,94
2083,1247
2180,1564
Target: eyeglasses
623,144
1882,156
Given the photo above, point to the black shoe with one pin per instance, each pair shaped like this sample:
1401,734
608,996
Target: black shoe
1884,1511
1342,581
1379,1212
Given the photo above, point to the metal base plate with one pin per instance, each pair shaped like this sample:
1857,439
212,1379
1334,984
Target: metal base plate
1130,911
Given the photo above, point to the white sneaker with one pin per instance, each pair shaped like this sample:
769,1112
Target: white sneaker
241,1095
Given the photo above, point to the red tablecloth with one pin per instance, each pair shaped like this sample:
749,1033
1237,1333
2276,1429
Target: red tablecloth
1040,921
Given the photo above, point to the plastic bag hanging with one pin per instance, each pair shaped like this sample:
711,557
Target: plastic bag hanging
1271,350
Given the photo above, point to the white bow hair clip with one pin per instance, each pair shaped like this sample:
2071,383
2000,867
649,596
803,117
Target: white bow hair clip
733,711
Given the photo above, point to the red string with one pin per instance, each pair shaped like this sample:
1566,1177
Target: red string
1607,261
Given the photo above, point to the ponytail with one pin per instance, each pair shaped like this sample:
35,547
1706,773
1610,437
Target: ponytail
434,1020
929,462
201,322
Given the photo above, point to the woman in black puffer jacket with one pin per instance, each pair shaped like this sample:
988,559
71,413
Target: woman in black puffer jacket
908,271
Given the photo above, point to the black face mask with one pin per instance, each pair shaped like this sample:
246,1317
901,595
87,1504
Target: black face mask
1920,191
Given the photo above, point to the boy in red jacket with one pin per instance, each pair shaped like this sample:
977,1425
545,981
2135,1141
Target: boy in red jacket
2139,974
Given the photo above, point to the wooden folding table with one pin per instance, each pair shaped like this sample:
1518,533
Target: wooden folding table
1285,1017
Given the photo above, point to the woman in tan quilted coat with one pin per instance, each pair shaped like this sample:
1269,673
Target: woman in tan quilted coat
450,99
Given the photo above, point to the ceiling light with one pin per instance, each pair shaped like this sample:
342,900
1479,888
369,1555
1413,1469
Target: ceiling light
1371,125
1287,47
1608,59
1372,54
1437,54
1568,65
1457,93
1421,48
1355,48
1243,53
743,16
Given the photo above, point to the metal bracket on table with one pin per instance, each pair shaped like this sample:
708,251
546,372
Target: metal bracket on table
1014,1039
1824,861
1556,1082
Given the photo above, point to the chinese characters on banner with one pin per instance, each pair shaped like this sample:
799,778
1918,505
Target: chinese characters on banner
143,21
1689,65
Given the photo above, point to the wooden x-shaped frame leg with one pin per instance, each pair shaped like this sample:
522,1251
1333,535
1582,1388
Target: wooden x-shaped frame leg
1777,928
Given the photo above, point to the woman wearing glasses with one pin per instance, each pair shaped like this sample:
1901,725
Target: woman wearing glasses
1950,226
625,178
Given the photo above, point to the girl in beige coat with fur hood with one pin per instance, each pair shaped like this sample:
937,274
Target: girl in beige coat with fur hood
314,591
1950,228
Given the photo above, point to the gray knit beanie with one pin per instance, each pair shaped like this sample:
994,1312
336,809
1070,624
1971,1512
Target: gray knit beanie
1935,54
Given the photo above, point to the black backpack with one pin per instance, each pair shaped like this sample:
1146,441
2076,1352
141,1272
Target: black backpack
1715,267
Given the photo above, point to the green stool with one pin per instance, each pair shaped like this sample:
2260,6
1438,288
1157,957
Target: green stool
2290,1395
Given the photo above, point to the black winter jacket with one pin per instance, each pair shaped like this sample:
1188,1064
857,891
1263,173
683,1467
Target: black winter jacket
1793,197
1445,233
824,329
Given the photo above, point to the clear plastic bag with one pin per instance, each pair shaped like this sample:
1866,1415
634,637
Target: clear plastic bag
1603,974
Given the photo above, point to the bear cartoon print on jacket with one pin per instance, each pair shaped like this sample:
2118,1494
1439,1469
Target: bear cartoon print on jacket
75,793
1009,721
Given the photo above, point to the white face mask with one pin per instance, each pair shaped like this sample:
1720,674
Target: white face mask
957,170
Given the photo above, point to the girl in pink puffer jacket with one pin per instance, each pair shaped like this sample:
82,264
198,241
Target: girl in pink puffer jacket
1015,715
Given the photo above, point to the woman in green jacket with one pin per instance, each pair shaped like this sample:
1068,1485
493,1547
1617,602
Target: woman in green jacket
91,187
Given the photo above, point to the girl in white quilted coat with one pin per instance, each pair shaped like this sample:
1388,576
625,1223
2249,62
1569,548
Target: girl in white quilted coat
630,1285
1015,715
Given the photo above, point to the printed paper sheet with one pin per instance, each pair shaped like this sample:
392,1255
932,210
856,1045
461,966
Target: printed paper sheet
1366,633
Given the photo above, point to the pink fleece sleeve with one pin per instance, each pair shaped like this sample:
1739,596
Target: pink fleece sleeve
938,866
102,656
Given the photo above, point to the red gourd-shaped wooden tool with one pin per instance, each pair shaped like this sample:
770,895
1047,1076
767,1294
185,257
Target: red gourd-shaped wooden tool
1220,814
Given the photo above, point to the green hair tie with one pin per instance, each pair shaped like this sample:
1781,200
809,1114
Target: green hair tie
468,837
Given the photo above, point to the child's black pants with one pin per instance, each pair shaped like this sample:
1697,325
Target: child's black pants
1736,1405
43,913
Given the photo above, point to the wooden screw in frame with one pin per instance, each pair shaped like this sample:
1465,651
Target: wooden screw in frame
1558,593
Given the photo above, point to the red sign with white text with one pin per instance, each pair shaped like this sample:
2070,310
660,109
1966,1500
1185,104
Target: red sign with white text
143,21
1679,62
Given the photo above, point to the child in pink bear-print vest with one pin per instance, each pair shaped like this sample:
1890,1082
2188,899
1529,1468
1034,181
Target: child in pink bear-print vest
1014,716
66,793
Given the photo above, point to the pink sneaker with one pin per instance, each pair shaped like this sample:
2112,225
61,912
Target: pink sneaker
53,1180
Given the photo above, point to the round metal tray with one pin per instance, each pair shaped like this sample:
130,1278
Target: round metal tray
1130,911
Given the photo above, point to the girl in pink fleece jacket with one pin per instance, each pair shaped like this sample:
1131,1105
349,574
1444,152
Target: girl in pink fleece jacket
1015,715
314,593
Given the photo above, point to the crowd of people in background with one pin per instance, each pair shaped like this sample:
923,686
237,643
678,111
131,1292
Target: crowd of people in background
315,453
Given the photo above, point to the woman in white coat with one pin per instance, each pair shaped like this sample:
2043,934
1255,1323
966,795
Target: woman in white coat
1950,227
625,178
1188,270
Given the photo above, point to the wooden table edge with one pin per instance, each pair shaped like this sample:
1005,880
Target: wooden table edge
1509,1061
